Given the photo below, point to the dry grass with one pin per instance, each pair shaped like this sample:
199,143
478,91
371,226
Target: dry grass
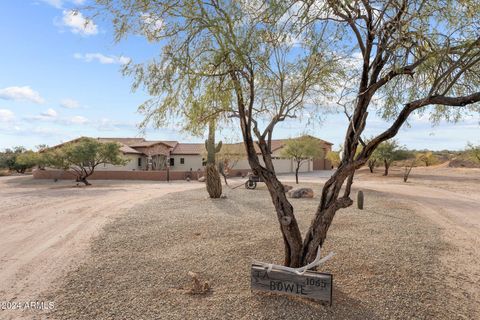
386,265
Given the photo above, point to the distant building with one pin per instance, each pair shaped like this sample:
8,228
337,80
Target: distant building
149,155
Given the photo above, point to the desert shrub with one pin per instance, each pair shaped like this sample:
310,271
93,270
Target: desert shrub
427,158
18,159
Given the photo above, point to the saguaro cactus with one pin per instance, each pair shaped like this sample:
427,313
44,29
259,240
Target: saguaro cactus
214,185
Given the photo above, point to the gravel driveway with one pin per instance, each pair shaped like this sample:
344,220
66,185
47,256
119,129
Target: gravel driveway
387,264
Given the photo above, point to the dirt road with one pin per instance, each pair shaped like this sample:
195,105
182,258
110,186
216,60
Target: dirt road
458,216
46,228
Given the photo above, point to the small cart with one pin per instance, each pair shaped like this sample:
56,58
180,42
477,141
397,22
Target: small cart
251,183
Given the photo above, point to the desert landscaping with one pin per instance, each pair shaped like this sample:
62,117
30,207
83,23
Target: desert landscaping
219,159
125,249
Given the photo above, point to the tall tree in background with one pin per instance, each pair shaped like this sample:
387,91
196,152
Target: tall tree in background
415,55
387,152
301,150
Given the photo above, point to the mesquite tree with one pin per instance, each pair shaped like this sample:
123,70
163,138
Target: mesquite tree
276,57
419,55
387,152
301,150
82,156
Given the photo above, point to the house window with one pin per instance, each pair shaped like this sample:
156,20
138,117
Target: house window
172,162
139,162
182,160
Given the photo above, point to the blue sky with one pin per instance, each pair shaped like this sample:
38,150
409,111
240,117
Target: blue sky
60,80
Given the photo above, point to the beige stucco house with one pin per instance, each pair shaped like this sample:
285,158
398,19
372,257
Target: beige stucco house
148,155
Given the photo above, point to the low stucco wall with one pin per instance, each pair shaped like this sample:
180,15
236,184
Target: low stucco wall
129,175
116,175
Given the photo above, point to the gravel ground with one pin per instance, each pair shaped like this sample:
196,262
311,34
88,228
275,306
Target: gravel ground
386,264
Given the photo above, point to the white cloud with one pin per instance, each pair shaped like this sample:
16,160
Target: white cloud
78,120
6,115
50,113
69,103
103,59
59,3
47,115
78,24
21,94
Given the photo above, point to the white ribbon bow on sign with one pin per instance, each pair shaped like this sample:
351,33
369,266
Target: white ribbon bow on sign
299,271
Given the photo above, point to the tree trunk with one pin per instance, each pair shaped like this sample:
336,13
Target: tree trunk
292,237
407,174
214,184
329,205
371,165
221,170
84,180
225,178
296,172
288,224
387,165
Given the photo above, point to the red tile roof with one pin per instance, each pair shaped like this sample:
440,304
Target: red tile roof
128,145
150,143
123,147
127,141
189,148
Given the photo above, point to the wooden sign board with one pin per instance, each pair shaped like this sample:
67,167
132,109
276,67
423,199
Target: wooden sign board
313,285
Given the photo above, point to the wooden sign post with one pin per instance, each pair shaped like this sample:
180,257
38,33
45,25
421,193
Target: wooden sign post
313,285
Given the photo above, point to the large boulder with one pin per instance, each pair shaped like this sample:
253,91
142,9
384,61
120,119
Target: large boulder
301,193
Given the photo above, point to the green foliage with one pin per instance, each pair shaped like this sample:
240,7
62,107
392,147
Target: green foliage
27,160
302,149
390,151
82,156
17,159
426,158
387,152
472,152
333,157
209,48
